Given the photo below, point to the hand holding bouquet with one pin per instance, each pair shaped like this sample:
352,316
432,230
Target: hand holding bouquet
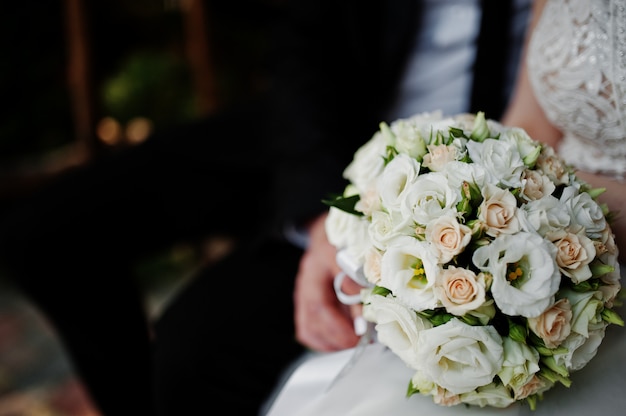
492,269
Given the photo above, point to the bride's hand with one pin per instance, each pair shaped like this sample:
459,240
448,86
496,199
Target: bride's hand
322,322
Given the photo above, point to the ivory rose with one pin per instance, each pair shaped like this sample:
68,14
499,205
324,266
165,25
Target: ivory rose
501,160
460,290
348,231
544,215
584,211
429,197
554,324
397,326
386,226
367,164
520,364
408,140
447,236
492,394
460,357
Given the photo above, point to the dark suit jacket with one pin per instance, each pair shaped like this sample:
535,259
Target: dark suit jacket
337,67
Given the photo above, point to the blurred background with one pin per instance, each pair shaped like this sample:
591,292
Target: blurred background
83,78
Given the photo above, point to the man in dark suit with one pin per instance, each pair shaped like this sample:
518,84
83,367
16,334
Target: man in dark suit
251,173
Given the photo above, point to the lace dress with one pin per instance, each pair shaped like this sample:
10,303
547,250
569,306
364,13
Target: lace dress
577,66
577,62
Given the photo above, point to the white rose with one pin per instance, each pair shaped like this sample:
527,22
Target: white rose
525,274
395,180
459,172
520,363
584,211
429,197
339,224
554,324
580,349
409,140
460,290
367,164
544,215
536,185
528,148
410,270
397,326
500,159
385,227
492,394
460,357
586,310
498,211
574,253
348,231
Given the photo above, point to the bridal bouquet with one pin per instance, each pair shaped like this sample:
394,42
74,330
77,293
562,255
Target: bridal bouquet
491,270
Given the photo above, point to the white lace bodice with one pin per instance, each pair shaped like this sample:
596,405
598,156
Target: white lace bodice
577,66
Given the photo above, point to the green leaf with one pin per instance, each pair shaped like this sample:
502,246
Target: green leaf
344,203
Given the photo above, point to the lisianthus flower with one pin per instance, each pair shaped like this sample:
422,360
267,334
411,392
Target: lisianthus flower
410,269
525,274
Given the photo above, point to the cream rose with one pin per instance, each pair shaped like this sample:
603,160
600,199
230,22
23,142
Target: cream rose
574,253
460,290
460,357
439,156
554,324
447,236
536,185
371,267
498,211
553,166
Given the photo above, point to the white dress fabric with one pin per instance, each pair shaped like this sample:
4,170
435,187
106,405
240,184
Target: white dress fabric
577,62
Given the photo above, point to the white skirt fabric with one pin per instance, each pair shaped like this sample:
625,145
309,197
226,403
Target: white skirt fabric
376,383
